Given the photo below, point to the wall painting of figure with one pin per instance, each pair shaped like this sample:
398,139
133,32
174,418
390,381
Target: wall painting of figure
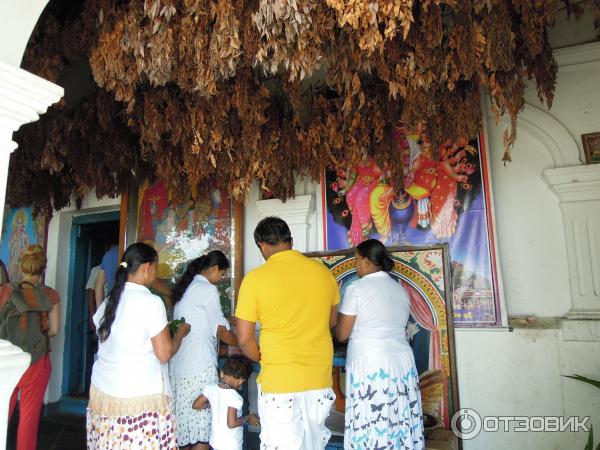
20,229
445,198
182,232
424,273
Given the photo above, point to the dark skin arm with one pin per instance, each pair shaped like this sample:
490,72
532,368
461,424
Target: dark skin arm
99,288
91,301
247,340
333,316
166,346
344,327
233,421
227,336
201,403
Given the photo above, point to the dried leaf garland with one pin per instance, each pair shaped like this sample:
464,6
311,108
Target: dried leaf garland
183,93
289,37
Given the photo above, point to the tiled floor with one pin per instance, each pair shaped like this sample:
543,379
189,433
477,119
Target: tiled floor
57,432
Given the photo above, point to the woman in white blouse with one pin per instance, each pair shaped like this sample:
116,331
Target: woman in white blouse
129,403
197,299
383,402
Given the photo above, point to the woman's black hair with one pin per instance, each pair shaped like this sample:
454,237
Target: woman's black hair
376,252
135,255
196,266
238,366
272,231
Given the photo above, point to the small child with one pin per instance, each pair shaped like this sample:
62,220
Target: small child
226,428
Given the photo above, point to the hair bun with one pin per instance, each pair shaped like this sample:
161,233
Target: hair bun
387,264
33,250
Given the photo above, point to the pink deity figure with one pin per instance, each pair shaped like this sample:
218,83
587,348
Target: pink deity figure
369,200
450,170
358,198
19,240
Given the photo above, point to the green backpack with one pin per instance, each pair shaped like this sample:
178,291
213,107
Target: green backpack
24,320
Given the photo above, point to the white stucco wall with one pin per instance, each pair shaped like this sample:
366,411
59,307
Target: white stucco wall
529,229
18,20
57,273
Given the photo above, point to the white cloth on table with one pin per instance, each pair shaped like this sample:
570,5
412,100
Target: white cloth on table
201,308
221,399
127,365
294,421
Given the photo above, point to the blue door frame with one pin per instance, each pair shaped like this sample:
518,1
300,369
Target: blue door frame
78,263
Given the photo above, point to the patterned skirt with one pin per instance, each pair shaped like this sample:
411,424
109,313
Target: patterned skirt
129,423
383,404
193,426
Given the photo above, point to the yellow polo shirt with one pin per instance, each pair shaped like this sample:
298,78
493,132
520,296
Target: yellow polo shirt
291,296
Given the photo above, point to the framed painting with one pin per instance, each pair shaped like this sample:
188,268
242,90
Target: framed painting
20,229
183,232
445,198
591,147
425,273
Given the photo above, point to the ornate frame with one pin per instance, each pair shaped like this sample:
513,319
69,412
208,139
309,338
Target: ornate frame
436,293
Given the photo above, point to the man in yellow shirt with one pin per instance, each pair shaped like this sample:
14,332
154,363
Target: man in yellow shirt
294,298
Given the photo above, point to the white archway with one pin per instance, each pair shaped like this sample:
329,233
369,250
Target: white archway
18,21
553,135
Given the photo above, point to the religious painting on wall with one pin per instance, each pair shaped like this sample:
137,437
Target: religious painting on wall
183,232
424,272
20,229
445,198
591,147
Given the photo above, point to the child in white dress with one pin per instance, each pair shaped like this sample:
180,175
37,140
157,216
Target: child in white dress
226,405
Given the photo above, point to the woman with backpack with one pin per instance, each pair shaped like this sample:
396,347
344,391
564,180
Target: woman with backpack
29,317
130,403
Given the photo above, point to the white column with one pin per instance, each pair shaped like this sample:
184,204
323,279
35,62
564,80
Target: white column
23,97
13,363
578,189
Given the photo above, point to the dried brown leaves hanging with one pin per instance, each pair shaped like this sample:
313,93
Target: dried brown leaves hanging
289,36
197,108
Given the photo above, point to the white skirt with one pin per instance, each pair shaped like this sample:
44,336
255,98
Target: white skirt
193,426
383,403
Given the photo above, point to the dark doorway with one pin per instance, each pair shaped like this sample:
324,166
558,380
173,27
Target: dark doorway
91,236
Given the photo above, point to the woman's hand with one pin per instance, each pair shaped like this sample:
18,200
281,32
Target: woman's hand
184,329
166,346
